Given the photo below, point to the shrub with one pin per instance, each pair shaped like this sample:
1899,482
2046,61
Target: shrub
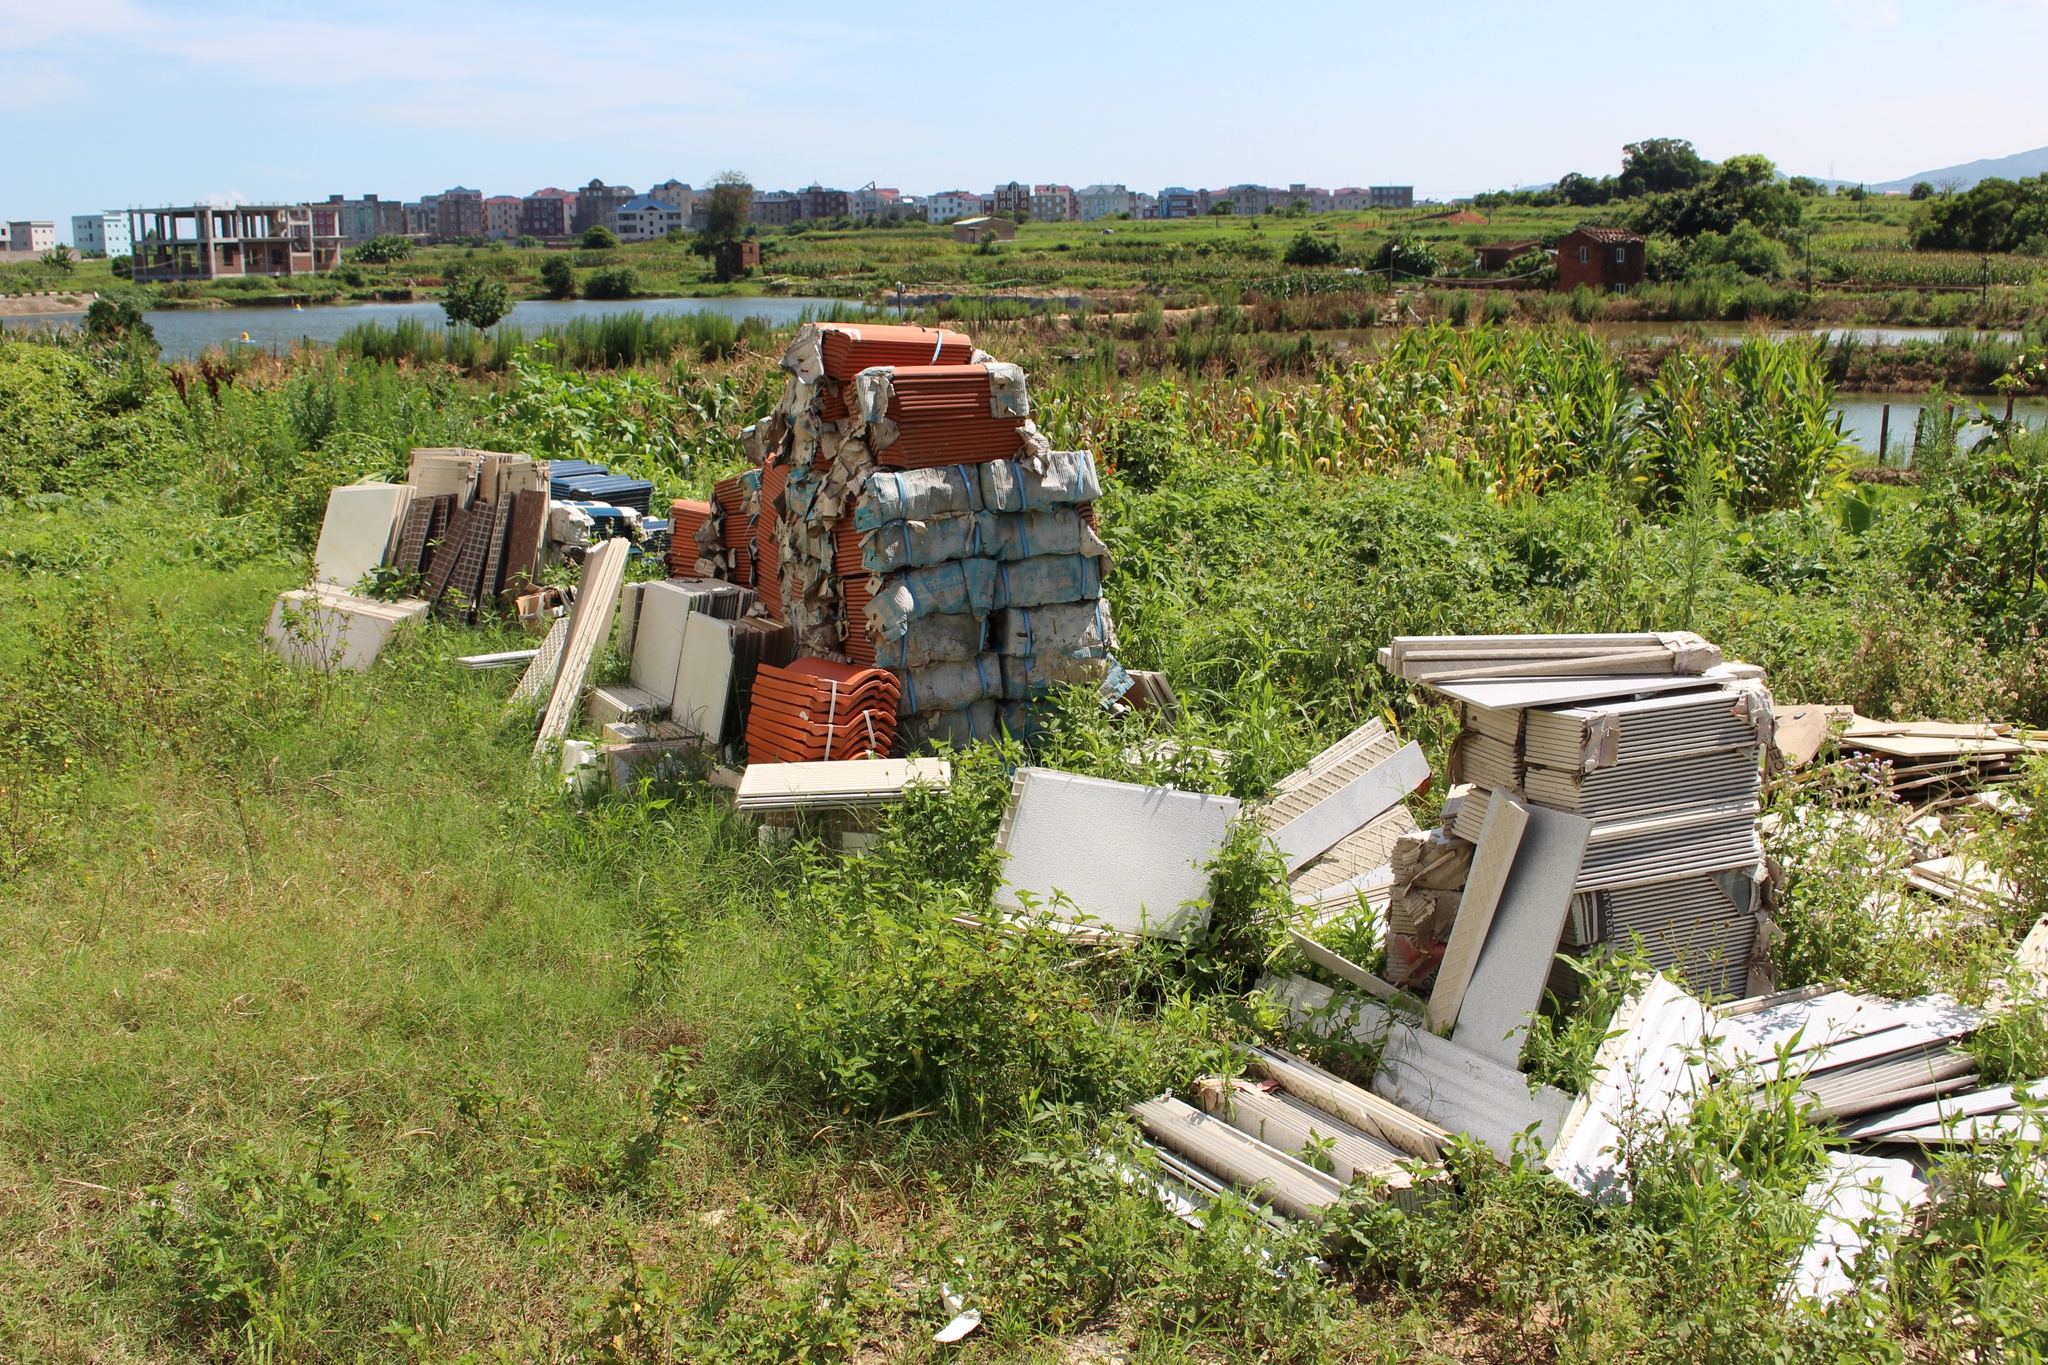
382,250
476,299
598,237
557,277
619,282
1309,249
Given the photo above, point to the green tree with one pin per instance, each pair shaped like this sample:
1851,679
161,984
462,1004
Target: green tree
1222,208
557,277
382,250
111,318
1921,190
61,257
598,237
1309,249
1742,189
1992,215
1660,165
1408,256
728,210
1583,191
476,299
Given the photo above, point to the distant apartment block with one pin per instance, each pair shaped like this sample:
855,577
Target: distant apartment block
501,217
103,233
596,204
776,208
26,235
676,195
871,202
1055,204
423,216
203,242
459,212
1011,198
1393,196
1104,201
547,213
1144,205
950,204
1177,201
819,202
1350,199
646,219
367,217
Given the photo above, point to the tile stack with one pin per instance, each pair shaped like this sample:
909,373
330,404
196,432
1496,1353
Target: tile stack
687,521
815,710
902,498
1652,739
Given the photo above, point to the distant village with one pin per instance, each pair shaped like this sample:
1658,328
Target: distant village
321,230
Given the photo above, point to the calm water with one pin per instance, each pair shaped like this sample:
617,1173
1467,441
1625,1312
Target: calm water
1734,333
185,333
1863,418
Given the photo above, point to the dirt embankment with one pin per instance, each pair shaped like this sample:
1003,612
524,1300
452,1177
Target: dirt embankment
44,305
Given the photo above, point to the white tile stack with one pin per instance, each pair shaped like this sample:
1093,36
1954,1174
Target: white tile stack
1662,754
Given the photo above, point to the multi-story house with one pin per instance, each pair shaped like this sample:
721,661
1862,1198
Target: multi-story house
596,203
1011,199
207,242
871,202
501,217
100,234
819,202
646,219
367,217
676,194
1349,199
1104,201
777,208
547,213
459,213
27,235
947,205
1177,201
1308,197
423,216
1054,204
1144,205
1393,196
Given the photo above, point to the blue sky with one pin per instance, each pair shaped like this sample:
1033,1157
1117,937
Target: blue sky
108,103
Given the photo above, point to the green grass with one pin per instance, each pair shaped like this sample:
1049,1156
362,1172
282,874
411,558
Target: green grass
331,1034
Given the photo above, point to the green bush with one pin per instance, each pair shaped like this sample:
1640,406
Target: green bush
620,282
557,277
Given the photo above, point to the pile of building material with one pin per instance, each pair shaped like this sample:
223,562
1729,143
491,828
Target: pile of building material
1931,763
1252,1135
816,709
582,481
1661,757
908,516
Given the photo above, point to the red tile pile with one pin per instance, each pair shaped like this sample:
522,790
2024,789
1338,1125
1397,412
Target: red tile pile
848,350
942,417
736,530
817,710
767,550
687,517
856,590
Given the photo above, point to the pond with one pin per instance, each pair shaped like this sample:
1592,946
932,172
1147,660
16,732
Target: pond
1863,418
186,332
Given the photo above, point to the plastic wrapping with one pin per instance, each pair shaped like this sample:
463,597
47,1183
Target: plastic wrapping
1068,477
944,638
950,686
1082,629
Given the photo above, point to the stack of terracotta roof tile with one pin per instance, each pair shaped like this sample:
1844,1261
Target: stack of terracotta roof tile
688,519
856,591
848,350
952,414
816,710
735,530
767,552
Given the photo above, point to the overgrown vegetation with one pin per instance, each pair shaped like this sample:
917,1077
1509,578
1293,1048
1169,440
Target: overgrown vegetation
334,1035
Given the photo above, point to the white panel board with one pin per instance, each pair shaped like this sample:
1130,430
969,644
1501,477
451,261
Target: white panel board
1130,857
356,535
1313,832
703,678
1507,985
658,638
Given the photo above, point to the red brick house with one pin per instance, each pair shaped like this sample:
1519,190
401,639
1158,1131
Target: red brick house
1599,258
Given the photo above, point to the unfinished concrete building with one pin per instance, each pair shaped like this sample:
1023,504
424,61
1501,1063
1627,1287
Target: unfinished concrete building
205,242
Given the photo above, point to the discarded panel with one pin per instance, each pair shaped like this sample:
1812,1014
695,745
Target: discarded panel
1313,832
1133,858
1647,1071
1507,985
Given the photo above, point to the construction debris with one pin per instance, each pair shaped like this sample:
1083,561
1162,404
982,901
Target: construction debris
1131,858
866,782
